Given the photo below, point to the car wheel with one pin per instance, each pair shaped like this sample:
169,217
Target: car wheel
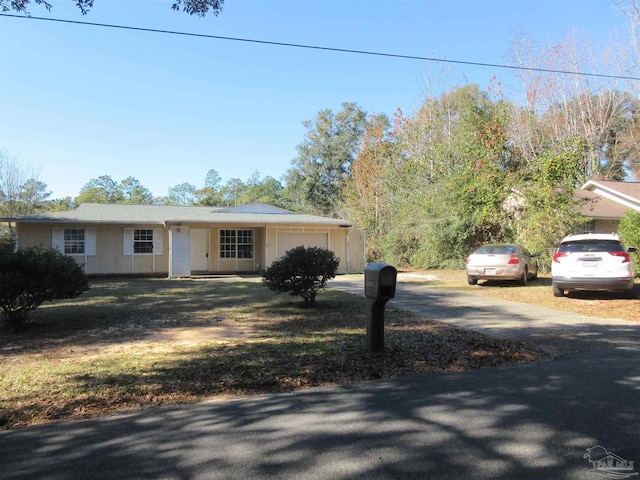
557,292
525,277
472,280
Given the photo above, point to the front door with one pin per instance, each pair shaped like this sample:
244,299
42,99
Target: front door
199,249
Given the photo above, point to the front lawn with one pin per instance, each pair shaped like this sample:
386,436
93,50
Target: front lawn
135,343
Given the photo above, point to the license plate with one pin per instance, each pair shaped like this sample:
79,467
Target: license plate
489,271
589,264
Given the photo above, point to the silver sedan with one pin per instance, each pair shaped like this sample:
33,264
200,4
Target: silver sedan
501,261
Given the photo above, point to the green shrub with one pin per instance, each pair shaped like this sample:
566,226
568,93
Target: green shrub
629,231
31,276
6,239
302,271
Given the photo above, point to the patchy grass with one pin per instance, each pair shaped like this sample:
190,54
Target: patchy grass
131,344
538,292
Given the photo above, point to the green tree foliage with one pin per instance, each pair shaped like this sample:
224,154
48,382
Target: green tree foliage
265,190
134,193
629,231
192,7
105,189
35,275
323,165
211,193
545,204
366,190
183,194
232,192
453,165
302,271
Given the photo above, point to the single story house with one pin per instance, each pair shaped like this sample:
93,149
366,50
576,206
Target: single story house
604,203
179,241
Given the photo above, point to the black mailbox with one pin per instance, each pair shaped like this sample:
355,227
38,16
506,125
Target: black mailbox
380,281
379,287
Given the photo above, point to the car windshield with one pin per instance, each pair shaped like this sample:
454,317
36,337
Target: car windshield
496,250
592,246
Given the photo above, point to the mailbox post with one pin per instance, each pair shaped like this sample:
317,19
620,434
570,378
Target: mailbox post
379,288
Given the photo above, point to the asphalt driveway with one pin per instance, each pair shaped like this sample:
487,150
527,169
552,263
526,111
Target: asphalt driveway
533,421
560,331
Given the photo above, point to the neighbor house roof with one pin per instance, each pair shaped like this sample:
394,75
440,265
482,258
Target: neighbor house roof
608,199
165,214
594,206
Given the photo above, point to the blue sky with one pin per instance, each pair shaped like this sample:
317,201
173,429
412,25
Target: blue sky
78,102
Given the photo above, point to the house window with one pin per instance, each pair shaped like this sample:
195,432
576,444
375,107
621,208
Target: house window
236,244
227,244
74,241
143,240
589,227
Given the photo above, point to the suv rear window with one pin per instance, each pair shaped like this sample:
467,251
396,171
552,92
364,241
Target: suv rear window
592,246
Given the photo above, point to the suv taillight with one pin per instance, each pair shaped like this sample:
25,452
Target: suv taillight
558,255
513,260
626,258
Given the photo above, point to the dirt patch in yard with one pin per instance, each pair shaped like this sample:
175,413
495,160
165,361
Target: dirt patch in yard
189,336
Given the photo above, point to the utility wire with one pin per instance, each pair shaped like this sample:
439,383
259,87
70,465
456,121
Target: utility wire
329,49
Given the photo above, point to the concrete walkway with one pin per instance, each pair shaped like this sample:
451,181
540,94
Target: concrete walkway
526,422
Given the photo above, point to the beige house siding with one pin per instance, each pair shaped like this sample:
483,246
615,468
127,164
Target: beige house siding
190,237
606,226
109,257
599,225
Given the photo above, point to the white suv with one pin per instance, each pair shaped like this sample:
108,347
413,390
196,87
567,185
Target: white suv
593,261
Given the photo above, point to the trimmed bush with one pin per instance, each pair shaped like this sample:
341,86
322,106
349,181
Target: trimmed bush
31,276
302,271
629,231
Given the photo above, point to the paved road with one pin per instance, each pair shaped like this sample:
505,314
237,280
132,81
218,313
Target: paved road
525,422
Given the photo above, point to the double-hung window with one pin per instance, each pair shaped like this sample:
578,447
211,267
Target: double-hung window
75,241
143,241
236,244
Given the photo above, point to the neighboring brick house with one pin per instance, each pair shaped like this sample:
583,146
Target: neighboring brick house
605,203
110,239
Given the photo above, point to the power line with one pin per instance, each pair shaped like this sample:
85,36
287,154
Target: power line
329,49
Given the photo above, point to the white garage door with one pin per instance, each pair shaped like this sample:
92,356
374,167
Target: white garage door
289,240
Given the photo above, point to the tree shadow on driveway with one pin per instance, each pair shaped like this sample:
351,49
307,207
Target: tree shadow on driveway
534,421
